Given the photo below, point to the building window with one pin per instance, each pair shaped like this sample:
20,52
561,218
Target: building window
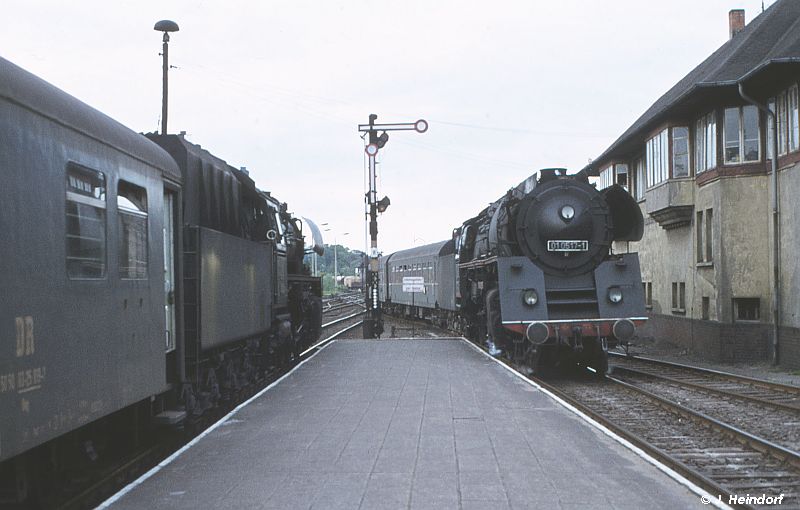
621,175
674,296
86,223
678,297
639,180
648,294
606,178
680,152
746,309
709,238
657,156
699,243
741,134
705,143
792,122
705,236
132,207
788,128
706,308
770,131
613,174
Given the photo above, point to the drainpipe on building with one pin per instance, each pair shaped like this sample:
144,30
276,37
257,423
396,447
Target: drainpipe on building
776,301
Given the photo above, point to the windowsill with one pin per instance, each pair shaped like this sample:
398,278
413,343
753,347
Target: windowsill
648,307
740,163
705,264
701,172
745,321
679,311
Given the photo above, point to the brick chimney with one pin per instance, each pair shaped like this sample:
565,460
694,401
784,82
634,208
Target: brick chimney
736,21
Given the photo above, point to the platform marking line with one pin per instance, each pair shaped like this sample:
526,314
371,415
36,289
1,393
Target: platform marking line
125,490
605,430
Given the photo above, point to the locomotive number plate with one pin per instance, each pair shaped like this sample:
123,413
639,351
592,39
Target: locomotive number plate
567,245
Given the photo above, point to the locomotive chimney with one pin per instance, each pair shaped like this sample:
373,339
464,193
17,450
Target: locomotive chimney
735,21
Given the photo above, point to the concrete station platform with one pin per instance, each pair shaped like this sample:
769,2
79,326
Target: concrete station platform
405,424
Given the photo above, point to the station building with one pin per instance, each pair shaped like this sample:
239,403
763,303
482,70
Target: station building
699,161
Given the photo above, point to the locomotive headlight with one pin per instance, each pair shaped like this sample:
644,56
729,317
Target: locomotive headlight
567,212
615,295
530,297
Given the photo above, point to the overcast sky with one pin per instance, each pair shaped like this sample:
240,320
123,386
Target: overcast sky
508,87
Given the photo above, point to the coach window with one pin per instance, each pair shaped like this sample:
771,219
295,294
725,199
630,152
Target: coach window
132,207
86,223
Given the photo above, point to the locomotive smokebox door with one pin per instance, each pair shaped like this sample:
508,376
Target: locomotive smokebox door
563,225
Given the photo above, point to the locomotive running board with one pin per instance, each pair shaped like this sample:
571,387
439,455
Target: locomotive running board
565,321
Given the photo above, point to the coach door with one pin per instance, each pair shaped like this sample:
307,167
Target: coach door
169,269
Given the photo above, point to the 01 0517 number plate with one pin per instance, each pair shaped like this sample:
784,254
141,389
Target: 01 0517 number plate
567,245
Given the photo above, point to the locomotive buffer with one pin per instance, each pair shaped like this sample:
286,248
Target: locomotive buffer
373,323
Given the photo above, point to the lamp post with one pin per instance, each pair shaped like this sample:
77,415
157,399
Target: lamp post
165,26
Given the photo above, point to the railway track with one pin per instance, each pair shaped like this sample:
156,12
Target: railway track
739,443
724,459
757,391
335,328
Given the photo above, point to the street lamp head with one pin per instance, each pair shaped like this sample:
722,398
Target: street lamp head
166,25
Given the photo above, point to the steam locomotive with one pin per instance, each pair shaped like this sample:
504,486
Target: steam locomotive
532,275
143,281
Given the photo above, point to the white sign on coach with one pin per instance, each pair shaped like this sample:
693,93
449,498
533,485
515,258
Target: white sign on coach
413,284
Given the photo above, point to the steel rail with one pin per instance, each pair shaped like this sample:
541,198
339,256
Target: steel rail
329,339
709,389
788,388
750,441
109,480
759,444
690,474
342,319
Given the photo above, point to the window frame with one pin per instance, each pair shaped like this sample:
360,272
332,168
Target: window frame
657,155
679,297
123,211
688,152
705,143
640,179
738,301
741,140
704,248
74,195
